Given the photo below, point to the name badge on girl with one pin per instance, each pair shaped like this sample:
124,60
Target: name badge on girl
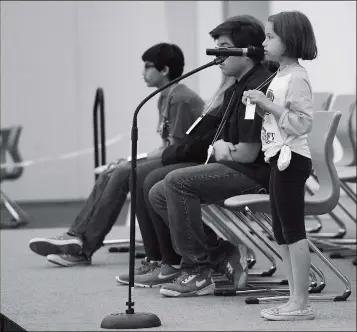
249,110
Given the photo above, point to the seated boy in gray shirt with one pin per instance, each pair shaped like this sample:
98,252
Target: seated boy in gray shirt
178,108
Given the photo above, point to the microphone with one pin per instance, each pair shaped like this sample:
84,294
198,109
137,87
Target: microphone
251,52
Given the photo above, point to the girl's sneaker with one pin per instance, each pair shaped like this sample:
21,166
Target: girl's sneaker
308,313
270,310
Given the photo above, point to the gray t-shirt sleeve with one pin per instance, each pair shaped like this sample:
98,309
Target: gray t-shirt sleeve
159,106
182,114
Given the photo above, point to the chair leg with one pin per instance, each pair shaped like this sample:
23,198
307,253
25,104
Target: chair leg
251,258
317,218
343,208
348,191
20,218
342,227
314,287
343,254
239,218
328,245
345,281
340,232
271,259
212,217
279,291
122,242
317,228
225,232
122,246
217,214
343,297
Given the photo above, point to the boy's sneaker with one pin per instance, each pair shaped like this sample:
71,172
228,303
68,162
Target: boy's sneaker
63,244
69,260
235,266
193,282
145,267
157,277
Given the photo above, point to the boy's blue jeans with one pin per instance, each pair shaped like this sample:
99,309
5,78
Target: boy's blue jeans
178,198
105,202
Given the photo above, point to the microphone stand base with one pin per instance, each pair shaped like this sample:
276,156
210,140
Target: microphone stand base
137,320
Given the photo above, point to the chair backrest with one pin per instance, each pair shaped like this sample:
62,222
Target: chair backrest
9,143
321,101
347,105
320,141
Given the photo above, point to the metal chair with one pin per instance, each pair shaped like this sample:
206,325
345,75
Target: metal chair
323,201
346,168
237,231
9,140
347,105
343,248
321,102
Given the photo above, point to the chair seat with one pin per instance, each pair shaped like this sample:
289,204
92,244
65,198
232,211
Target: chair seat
347,173
256,202
314,205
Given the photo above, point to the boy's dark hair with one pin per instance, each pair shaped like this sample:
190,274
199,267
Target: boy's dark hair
165,54
243,30
296,32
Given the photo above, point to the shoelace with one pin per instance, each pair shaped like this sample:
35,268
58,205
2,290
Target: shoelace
224,270
145,264
183,276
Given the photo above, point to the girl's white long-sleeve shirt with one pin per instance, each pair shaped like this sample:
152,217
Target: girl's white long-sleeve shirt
292,91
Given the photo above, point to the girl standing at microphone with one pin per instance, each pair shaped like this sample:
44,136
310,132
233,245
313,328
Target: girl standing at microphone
287,119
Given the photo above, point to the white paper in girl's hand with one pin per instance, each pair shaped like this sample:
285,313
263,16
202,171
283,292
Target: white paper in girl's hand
249,110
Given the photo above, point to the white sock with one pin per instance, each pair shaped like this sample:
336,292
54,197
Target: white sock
176,266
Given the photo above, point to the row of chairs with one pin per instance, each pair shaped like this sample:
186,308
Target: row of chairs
9,145
346,172
345,134
233,224
246,219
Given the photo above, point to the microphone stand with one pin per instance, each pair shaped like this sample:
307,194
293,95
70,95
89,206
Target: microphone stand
131,319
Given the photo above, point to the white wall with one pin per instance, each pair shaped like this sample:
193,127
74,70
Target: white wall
53,57
209,15
334,24
55,54
39,88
